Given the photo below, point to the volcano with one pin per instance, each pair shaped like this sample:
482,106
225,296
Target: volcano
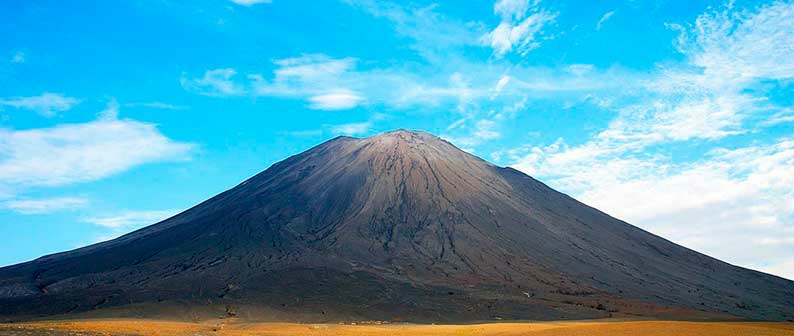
400,226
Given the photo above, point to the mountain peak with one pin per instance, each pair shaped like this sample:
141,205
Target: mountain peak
409,149
404,132
404,135
399,225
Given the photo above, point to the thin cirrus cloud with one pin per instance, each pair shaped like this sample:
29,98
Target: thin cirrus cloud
433,35
130,219
356,128
723,203
119,223
18,58
45,206
73,153
483,130
157,105
315,78
731,203
604,18
250,2
216,83
329,83
522,23
47,104
335,100
351,128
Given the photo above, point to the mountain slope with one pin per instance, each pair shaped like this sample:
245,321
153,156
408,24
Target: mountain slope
398,226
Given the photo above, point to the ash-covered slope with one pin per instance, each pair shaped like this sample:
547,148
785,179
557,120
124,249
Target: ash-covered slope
398,226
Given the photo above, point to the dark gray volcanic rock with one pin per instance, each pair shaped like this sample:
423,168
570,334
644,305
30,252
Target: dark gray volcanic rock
398,226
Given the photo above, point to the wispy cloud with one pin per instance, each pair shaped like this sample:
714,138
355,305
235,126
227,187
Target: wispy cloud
435,36
723,203
46,104
72,153
707,98
482,131
500,85
728,198
19,57
604,18
157,105
356,128
321,80
351,128
218,83
522,21
45,206
335,100
127,220
486,130
783,116
445,76
250,2
328,83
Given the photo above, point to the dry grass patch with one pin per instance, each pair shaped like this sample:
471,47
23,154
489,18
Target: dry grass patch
231,328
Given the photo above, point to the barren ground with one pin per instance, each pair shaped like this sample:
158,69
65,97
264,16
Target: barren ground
232,328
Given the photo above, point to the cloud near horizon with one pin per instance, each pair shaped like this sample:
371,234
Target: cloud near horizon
45,206
732,203
82,152
47,104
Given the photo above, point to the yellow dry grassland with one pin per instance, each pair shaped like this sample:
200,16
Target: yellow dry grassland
595,328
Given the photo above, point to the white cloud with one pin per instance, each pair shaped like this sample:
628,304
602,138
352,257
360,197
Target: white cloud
521,24
335,100
707,98
131,219
720,205
482,131
218,83
733,204
743,45
500,85
783,268
580,69
457,123
604,18
157,105
321,80
250,2
46,104
312,67
18,57
782,116
352,128
436,37
511,9
335,83
730,51
45,206
458,88
318,78
72,153
486,130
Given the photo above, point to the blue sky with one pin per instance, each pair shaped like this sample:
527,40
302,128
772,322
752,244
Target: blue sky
673,115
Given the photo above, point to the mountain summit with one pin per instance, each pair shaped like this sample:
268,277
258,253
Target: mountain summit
399,226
